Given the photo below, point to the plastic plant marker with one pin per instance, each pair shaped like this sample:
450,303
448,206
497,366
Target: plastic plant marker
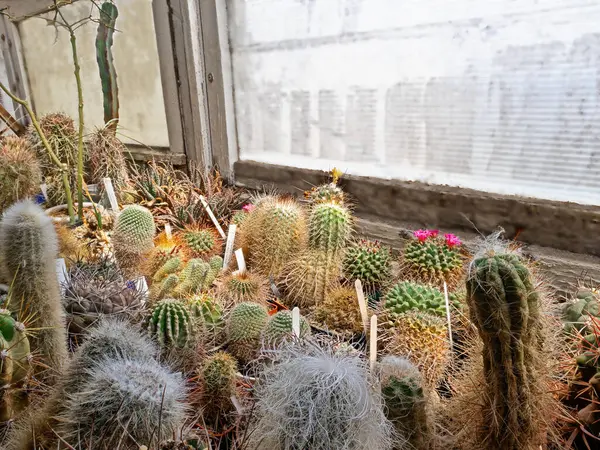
44,189
296,322
212,217
373,342
110,192
229,245
237,404
168,231
362,304
61,274
241,262
448,314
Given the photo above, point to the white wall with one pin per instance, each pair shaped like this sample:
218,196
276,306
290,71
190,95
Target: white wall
50,70
496,95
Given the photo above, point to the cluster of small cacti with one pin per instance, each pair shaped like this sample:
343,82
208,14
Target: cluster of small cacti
577,313
20,173
184,280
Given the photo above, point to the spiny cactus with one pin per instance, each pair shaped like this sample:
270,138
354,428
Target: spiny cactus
340,311
200,242
330,225
20,173
329,192
405,401
505,309
15,357
107,158
245,324
28,248
577,313
160,291
133,236
217,376
171,266
207,313
164,250
274,235
369,262
279,328
125,401
424,338
170,324
430,259
192,279
244,287
315,398
406,296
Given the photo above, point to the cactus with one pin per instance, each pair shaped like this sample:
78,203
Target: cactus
406,296
15,359
430,259
310,276
330,225
329,192
245,324
313,398
244,287
369,262
107,158
28,248
164,250
192,279
170,324
217,376
405,401
20,173
171,266
133,237
577,313
279,328
124,402
505,309
340,311
207,313
164,289
108,74
216,265
274,235
200,242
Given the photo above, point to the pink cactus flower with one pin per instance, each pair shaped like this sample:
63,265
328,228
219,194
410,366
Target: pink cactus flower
433,233
248,207
452,240
421,235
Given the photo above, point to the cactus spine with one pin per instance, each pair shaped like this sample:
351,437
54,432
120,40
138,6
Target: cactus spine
218,378
133,237
244,327
28,247
505,309
170,323
20,173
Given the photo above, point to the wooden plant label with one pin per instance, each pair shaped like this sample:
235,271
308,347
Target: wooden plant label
448,314
62,274
168,231
212,217
362,304
296,322
373,342
229,245
110,192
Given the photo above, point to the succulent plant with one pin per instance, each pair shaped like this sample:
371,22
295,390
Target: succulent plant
192,279
328,192
20,173
274,234
207,313
318,399
340,311
217,375
200,242
245,324
430,259
28,249
164,250
170,323
133,236
577,313
424,339
96,290
405,401
244,287
164,289
407,296
369,262
107,158
171,266
329,228
505,308
279,328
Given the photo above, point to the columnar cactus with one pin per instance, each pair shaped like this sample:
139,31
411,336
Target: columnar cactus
28,248
279,328
133,236
170,324
330,225
505,309
193,278
244,327
169,267
369,262
20,173
217,375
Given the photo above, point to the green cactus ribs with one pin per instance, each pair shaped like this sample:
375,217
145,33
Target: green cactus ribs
577,313
244,328
406,296
428,258
200,242
279,328
369,262
170,324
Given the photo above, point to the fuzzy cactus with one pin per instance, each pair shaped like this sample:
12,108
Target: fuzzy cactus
20,173
15,357
505,308
577,313
200,242
28,248
244,287
318,399
274,234
429,258
406,296
369,262
279,328
245,324
405,401
217,375
170,324
133,237
340,311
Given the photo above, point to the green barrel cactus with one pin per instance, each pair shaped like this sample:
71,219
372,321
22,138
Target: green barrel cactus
369,262
329,227
577,313
279,328
244,328
200,242
217,374
406,296
170,323
133,237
